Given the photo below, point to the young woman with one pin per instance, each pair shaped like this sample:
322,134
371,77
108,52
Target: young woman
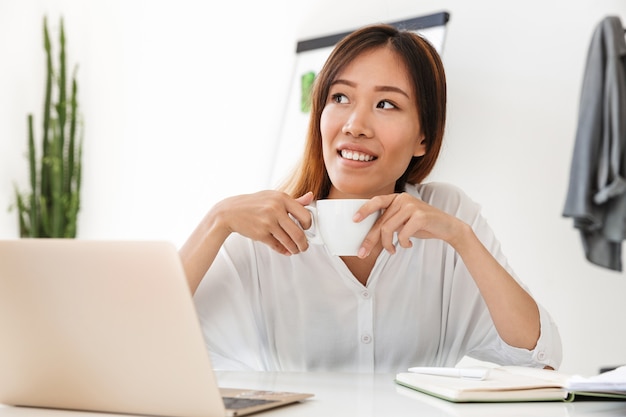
430,284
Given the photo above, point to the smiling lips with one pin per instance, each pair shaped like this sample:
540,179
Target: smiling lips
356,156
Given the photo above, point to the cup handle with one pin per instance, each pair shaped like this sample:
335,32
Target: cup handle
312,233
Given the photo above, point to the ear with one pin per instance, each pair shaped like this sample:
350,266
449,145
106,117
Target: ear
420,147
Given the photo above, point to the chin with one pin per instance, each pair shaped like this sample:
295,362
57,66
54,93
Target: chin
359,186
353,192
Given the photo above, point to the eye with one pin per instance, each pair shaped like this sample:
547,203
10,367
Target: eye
385,104
339,98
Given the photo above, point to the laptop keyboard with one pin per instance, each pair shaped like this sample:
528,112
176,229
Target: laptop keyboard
236,403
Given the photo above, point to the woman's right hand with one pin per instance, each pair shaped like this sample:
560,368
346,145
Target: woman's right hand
268,217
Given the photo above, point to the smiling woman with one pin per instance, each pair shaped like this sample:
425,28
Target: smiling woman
430,284
370,115
417,97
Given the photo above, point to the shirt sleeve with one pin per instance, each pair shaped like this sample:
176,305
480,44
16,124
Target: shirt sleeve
548,350
225,312
482,339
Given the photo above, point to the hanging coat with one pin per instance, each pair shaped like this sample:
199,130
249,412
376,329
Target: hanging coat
596,196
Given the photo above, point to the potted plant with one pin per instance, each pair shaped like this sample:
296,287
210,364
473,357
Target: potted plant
50,208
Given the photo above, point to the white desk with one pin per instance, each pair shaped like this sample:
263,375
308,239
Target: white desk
366,395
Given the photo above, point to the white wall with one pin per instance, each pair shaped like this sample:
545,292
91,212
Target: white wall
182,103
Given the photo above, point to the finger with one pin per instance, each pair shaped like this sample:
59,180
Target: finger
370,241
412,226
373,205
386,237
415,225
406,217
404,238
393,222
301,215
295,234
305,199
274,244
285,240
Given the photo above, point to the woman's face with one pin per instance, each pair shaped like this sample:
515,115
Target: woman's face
370,126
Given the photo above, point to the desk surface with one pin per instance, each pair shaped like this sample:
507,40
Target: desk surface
365,395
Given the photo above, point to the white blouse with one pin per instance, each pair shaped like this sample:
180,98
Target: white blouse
260,310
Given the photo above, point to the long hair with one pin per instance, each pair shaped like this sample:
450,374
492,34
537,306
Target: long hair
427,76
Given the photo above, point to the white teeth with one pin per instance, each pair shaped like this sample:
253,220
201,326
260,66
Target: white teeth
356,156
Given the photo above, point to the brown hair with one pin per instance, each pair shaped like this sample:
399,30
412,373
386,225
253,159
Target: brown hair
428,78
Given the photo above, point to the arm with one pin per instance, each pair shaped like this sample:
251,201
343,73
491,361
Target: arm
263,216
201,248
514,312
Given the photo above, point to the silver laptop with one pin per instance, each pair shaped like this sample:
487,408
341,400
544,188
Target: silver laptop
108,326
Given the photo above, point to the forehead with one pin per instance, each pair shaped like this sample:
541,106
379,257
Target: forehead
378,66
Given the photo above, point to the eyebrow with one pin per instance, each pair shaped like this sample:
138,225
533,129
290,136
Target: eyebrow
377,88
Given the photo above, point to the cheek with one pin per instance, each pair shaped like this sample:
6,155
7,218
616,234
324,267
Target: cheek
401,149
325,123
331,122
404,137
329,128
326,131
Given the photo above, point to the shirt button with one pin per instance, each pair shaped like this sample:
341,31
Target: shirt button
366,294
366,338
541,355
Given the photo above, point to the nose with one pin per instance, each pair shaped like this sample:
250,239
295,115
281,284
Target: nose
358,124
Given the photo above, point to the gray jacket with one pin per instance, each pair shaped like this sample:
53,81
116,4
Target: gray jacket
596,196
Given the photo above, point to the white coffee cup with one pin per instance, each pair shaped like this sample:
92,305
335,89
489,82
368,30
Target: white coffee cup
332,225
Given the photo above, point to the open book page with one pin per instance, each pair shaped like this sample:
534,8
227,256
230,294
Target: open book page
612,381
548,375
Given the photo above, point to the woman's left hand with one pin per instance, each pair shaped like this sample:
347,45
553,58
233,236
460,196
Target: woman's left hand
409,217
514,312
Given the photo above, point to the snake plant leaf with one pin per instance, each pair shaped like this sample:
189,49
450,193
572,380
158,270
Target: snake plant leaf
52,206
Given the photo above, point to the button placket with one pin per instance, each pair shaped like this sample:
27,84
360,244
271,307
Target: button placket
366,330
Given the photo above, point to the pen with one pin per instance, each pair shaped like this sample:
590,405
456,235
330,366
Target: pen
470,373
